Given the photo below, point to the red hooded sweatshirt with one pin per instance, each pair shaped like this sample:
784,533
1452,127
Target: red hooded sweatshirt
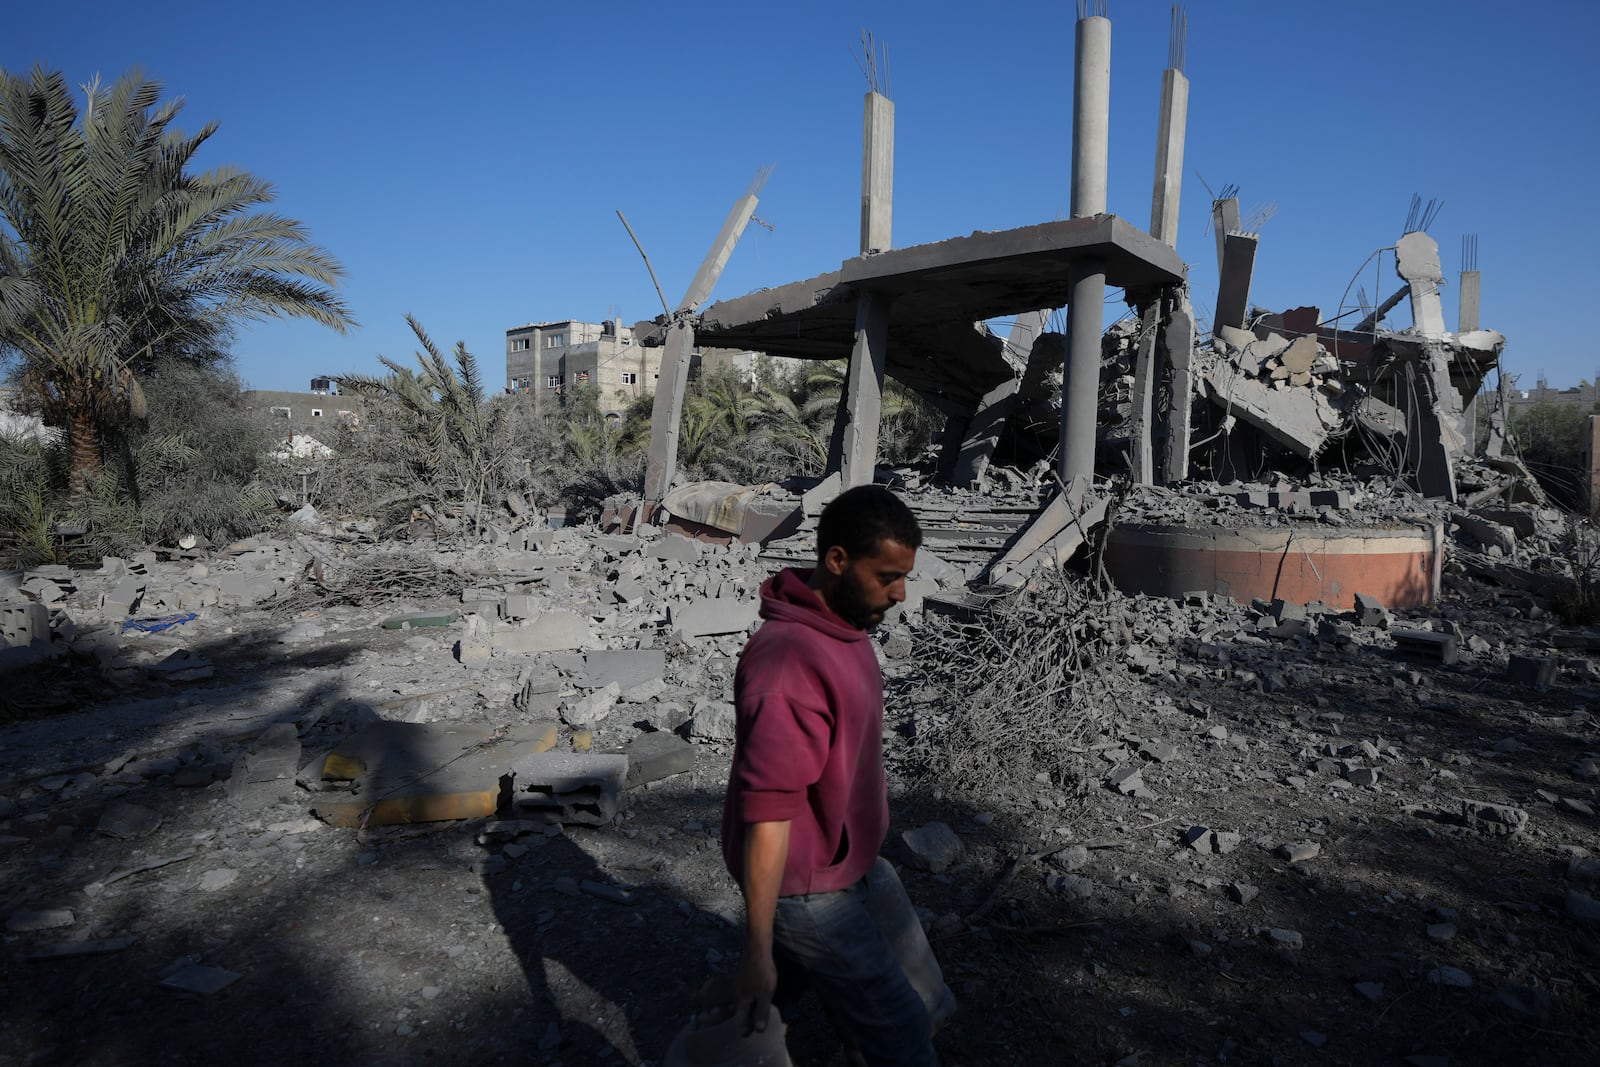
808,745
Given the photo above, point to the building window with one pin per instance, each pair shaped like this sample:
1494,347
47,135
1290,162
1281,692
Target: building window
316,413
279,413
519,344
555,340
553,381
629,378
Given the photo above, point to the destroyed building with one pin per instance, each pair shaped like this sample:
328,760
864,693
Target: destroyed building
1287,412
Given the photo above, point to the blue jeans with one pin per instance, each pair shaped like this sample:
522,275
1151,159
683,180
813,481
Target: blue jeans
837,944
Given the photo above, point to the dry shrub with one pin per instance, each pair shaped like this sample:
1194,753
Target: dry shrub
1017,692
366,578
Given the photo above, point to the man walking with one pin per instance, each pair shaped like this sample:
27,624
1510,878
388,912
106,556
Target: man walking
807,807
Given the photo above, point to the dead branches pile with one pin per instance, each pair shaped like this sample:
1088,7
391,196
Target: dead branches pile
1014,694
369,578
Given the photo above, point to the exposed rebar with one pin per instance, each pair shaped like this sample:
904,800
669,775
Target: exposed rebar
1420,217
1092,9
754,188
873,62
1178,38
1469,251
1259,216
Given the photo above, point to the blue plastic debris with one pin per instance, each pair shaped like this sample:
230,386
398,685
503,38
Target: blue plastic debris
158,623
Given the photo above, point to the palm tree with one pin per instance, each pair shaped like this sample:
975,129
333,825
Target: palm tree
113,255
448,435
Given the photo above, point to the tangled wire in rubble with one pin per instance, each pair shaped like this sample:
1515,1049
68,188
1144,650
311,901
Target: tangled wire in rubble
1019,690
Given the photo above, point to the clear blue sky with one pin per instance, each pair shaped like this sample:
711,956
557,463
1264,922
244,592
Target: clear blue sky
464,160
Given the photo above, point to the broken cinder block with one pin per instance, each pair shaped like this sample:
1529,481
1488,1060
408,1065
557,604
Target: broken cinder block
1425,644
581,788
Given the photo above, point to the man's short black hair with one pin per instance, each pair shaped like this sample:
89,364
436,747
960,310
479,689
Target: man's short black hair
859,520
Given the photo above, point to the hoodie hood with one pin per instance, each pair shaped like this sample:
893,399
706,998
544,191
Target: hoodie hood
788,597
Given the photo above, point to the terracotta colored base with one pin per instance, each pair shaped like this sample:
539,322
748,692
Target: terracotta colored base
1400,567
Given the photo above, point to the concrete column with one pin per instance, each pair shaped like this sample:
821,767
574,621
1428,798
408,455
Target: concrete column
1091,145
1471,281
1233,284
662,462
1142,420
983,430
1499,432
1417,262
1169,157
1080,377
877,174
1591,454
861,406
1177,342
1467,321
1438,426
1224,220
1091,116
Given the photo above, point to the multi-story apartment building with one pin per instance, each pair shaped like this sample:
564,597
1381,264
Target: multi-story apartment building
549,361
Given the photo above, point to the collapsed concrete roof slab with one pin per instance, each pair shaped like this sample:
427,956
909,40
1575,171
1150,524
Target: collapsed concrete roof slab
938,292
1294,417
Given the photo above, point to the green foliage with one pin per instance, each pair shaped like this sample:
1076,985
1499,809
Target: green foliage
1549,438
439,441
190,467
114,256
1579,603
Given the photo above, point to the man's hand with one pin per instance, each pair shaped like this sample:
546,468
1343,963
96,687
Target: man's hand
766,848
753,989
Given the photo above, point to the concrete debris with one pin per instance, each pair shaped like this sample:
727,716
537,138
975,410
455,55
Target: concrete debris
266,773
713,720
127,821
1493,819
193,977
933,847
1535,672
580,788
1299,851
708,618
588,711
1424,644
28,922
656,755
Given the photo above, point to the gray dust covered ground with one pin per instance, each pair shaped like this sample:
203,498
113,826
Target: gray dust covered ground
1261,840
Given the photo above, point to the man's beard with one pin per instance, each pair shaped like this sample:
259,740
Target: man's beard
849,602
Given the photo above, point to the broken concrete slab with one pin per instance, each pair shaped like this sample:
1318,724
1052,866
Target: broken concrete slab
1486,532
552,631
628,668
426,772
713,616
656,755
